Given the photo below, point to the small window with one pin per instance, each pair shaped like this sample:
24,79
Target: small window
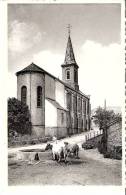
75,76
62,118
24,94
68,98
68,74
39,96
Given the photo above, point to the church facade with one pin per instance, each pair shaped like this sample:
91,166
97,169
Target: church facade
57,107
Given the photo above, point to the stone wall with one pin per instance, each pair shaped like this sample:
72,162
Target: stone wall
59,132
114,135
38,131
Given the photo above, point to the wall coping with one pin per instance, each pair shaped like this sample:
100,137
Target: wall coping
119,120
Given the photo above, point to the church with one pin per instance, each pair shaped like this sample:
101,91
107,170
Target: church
57,107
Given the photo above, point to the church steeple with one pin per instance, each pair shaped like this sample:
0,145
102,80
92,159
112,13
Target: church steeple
70,67
69,56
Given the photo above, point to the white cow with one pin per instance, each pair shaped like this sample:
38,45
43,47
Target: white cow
59,150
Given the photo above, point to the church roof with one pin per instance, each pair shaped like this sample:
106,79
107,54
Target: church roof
56,104
31,68
69,56
34,68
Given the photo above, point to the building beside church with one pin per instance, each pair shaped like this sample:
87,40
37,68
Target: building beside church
57,107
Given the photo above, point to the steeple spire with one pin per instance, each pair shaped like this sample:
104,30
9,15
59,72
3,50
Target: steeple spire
70,67
69,56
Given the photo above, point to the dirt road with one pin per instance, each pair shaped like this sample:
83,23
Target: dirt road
90,169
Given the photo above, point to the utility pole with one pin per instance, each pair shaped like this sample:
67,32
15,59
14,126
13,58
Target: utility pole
105,104
105,127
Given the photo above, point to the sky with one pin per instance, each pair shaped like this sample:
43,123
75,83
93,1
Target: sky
38,33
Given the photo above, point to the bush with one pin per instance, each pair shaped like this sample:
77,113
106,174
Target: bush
107,155
88,146
115,153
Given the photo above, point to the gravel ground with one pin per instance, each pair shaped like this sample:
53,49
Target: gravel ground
90,169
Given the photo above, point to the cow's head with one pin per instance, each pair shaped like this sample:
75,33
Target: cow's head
48,146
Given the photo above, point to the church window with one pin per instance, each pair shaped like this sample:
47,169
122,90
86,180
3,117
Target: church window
62,118
75,76
88,107
68,98
74,103
39,96
24,94
82,123
68,74
84,107
79,105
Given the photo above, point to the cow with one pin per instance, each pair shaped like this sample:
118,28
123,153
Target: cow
59,151
72,149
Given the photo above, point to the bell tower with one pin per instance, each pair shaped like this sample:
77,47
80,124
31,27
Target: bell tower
70,67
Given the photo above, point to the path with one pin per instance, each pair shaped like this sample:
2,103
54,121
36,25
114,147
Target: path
79,138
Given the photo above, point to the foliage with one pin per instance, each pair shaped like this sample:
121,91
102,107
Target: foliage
103,117
116,153
18,118
88,146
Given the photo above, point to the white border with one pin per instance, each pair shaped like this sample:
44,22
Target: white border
65,1
4,189
3,95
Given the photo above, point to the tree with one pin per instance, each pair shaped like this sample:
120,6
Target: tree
103,117
18,117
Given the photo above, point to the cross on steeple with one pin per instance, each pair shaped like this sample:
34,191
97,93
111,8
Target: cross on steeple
69,56
70,67
69,28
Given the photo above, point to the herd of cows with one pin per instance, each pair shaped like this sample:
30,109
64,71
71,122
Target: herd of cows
61,151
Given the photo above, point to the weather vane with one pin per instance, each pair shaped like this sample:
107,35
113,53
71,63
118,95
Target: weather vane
69,28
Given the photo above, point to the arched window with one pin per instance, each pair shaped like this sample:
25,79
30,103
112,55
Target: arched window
68,100
62,118
24,94
39,96
75,76
68,74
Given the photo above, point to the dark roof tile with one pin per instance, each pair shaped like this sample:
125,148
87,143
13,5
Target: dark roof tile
31,68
